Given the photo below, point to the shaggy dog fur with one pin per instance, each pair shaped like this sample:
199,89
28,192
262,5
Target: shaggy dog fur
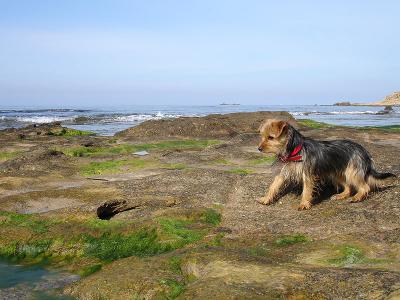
344,163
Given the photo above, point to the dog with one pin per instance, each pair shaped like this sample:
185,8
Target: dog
344,163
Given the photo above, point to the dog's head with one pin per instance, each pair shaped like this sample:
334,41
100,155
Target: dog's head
273,136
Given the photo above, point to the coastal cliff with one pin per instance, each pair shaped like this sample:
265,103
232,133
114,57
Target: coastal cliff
390,100
393,99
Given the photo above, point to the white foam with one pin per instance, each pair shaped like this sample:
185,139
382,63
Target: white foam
144,117
43,119
131,118
305,113
368,112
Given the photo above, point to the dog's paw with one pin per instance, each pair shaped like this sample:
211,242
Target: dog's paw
338,197
265,201
357,199
305,206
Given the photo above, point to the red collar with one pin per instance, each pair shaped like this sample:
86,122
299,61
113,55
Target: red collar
292,156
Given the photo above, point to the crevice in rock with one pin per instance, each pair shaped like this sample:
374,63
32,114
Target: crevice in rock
109,209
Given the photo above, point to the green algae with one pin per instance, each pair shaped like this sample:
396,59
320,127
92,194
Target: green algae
178,166
221,161
314,124
257,251
130,148
175,288
320,125
175,263
211,216
178,232
112,246
217,240
112,166
349,255
291,239
240,171
33,222
68,132
262,160
389,128
84,245
8,155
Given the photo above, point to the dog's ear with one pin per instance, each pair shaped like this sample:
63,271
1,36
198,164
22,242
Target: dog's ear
261,126
279,127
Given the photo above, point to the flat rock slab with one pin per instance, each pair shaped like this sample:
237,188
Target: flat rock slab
47,204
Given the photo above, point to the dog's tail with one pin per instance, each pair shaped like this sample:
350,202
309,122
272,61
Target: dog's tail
380,176
375,177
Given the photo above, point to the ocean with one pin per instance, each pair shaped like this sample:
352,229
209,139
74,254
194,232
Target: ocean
109,120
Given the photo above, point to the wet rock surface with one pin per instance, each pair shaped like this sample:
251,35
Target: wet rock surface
227,125
198,187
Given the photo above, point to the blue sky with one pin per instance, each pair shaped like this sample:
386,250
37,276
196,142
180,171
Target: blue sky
90,52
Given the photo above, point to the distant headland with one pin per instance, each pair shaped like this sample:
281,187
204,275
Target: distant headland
223,103
391,100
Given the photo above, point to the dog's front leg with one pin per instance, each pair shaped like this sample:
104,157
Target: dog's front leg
307,195
273,190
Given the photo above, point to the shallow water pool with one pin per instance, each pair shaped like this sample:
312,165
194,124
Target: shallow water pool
32,282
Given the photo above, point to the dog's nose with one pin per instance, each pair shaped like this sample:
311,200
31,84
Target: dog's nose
260,149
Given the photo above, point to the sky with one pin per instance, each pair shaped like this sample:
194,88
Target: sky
99,52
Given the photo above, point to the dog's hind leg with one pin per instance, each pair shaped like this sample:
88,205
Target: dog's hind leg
345,193
356,178
362,188
362,192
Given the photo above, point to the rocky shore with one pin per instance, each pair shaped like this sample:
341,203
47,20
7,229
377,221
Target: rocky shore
167,210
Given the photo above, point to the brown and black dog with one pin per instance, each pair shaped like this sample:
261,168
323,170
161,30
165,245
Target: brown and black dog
306,161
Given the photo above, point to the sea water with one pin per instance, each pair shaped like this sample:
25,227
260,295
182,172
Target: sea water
109,120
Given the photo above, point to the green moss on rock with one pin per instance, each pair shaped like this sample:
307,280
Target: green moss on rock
111,166
313,124
291,239
262,160
69,132
130,148
240,171
211,216
349,255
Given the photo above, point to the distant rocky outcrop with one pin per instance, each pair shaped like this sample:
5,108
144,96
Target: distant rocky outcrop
387,110
345,103
211,126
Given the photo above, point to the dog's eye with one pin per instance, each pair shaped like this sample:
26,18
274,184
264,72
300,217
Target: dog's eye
270,137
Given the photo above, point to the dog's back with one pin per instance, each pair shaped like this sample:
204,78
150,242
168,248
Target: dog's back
333,157
341,157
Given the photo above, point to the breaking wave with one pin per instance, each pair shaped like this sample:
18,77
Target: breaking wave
90,119
306,113
36,111
145,117
42,119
